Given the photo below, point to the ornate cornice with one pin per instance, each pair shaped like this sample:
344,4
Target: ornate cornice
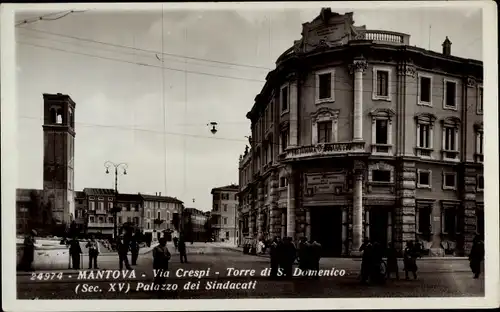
425,117
478,126
325,112
383,112
451,121
407,70
471,82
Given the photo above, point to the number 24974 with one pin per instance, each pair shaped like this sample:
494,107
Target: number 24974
46,276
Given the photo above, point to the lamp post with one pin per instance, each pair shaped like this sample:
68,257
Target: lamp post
108,164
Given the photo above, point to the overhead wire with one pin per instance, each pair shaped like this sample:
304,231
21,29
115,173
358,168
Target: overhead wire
44,17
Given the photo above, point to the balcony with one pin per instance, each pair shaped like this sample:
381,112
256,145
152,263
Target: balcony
323,150
100,225
382,36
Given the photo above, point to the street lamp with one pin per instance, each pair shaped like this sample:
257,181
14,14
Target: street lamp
115,209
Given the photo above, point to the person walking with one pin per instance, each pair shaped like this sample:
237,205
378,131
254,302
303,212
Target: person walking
123,247
289,256
410,260
476,256
392,261
161,256
182,249
75,251
315,250
366,260
176,240
28,257
304,254
275,258
134,248
94,251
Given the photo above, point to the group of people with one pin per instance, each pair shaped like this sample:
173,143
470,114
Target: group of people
284,253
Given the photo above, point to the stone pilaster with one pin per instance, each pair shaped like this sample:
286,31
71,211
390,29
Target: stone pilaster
357,212
308,223
283,224
260,206
358,67
290,207
294,112
275,213
469,207
404,223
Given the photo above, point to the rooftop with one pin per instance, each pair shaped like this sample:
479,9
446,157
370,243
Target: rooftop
99,191
166,199
230,188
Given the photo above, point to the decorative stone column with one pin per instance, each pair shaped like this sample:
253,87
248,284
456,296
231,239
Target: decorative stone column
308,223
274,213
260,206
290,207
345,235
358,67
357,212
293,101
469,206
405,229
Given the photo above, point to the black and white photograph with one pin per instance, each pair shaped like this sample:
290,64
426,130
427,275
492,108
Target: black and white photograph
333,153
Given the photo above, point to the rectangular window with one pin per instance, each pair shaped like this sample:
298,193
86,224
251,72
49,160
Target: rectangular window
449,180
325,86
424,220
480,100
100,220
424,136
381,131
324,131
148,214
225,221
110,219
480,182
216,207
284,140
128,206
225,207
284,98
158,215
449,141
382,83
110,206
91,219
425,90
92,206
450,221
227,235
423,179
381,176
148,226
450,94
101,206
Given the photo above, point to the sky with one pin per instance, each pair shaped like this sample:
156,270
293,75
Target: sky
121,104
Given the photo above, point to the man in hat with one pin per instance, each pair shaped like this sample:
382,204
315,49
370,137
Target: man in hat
28,252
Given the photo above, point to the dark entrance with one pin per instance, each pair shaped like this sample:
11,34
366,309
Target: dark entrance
378,226
326,229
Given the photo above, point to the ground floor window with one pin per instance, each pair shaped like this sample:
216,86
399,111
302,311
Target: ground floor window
227,235
424,225
449,221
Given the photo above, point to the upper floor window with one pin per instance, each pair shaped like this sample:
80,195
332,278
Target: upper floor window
382,130
324,86
479,108
381,83
110,219
450,138
424,89
158,215
284,140
284,98
110,206
92,205
225,207
101,206
479,157
480,183
423,178
450,94
324,131
148,214
425,133
380,175
91,219
216,207
449,181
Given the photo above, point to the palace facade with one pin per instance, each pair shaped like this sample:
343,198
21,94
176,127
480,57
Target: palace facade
358,134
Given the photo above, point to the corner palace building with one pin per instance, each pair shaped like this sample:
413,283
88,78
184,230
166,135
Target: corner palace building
358,134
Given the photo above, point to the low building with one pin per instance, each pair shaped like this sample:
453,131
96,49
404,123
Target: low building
99,218
223,214
195,225
162,214
131,210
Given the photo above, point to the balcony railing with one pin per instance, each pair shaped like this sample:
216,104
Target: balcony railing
384,36
100,225
324,149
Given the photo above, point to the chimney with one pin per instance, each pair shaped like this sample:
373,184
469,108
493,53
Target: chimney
447,46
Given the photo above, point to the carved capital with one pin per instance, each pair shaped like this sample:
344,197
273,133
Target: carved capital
407,70
358,65
471,82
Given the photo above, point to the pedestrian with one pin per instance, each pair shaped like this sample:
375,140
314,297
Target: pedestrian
161,256
275,258
377,275
366,260
75,251
410,260
176,240
28,257
315,250
134,248
289,257
182,249
392,261
304,254
476,256
261,247
123,247
94,251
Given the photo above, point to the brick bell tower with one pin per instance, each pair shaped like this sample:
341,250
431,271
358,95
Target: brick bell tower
58,157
